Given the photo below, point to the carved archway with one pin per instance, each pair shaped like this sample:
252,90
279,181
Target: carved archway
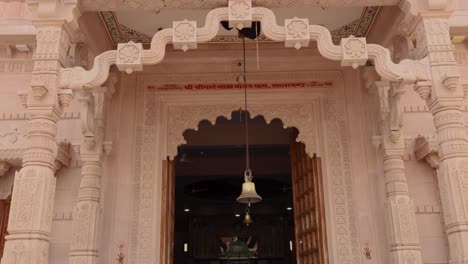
318,114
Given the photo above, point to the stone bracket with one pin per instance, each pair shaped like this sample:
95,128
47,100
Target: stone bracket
129,57
355,52
184,35
297,32
427,149
240,14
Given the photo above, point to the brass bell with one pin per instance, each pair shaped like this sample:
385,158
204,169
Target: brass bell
249,194
247,219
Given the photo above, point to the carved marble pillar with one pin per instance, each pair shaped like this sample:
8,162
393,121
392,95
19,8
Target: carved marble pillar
401,219
445,102
84,242
84,248
34,186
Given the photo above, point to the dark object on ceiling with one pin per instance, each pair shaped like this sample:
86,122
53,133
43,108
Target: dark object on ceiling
251,33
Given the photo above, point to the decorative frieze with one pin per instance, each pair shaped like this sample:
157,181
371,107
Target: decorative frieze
297,32
16,66
184,35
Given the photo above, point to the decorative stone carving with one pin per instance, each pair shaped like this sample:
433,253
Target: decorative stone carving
4,167
107,147
240,14
23,97
297,32
445,104
65,97
451,80
184,35
465,88
401,219
38,85
84,247
354,52
129,57
423,88
406,70
427,150
333,137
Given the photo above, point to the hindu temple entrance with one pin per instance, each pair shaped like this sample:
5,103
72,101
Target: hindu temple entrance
203,222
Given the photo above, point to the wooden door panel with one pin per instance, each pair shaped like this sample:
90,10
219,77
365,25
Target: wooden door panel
308,206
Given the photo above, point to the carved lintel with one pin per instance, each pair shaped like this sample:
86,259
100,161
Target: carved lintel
427,149
4,167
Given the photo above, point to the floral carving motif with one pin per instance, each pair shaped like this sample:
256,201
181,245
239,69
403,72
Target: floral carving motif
240,9
128,54
354,52
184,31
354,48
297,29
129,57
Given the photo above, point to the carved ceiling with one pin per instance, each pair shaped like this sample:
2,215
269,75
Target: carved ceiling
157,5
125,26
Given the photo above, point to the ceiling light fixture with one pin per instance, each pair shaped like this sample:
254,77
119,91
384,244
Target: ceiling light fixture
249,194
186,210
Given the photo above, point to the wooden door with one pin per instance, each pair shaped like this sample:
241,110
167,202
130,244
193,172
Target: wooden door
4,213
168,212
309,217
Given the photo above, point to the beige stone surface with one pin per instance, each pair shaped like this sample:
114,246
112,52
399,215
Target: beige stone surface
101,186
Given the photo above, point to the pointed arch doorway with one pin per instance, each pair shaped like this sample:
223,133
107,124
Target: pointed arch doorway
201,218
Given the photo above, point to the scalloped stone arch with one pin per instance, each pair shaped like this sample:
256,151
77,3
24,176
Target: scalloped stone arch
300,117
136,57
